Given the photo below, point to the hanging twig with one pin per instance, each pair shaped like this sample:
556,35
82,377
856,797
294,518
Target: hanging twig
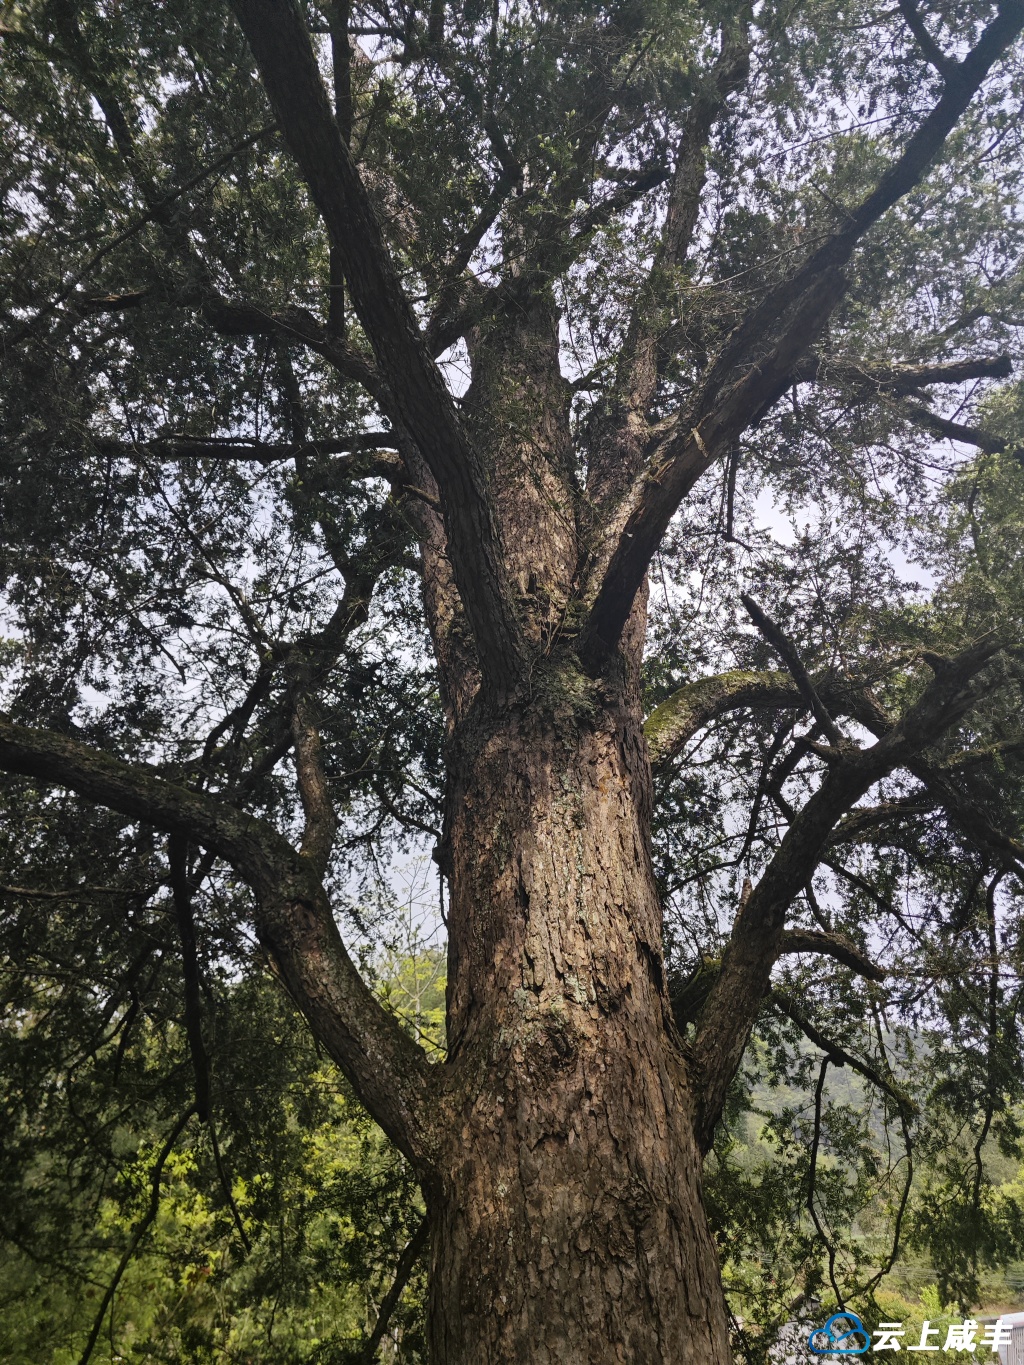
406,1264
770,781
991,1051
778,640
819,1090
732,469
142,1227
177,856
225,1183
908,1148
838,1055
160,206
177,852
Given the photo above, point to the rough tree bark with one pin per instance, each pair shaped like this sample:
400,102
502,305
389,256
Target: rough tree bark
569,1225
568,1220
560,1145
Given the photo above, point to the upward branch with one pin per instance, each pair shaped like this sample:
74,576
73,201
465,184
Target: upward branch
680,461
281,45
778,640
929,47
648,321
757,933
679,717
894,184
756,362
619,453
293,918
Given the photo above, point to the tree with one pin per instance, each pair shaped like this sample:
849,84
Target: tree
311,303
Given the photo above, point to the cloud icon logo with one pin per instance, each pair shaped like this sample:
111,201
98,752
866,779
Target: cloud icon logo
843,1335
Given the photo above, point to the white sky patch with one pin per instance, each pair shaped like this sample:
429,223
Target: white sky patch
786,525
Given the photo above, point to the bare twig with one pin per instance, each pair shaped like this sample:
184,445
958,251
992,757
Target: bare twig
812,1171
786,651
141,1228
406,1265
177,854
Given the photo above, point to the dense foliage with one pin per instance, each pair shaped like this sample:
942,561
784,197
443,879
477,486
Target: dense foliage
205,519
272,1229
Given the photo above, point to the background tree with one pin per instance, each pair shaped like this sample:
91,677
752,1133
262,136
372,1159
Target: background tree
361,366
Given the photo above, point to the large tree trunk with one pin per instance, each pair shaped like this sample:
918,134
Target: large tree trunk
568,1220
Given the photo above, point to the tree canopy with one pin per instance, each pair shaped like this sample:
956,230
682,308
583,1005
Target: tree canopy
363,361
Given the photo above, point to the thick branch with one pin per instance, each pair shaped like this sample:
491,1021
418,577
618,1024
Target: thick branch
677,719
786,651
293,918
683,458
955,431
370,455
802,304
406,1265
689,995
238,318
281,45
291,324
864,822
903,379
599,213
933,54
757,932
832,945
321,820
